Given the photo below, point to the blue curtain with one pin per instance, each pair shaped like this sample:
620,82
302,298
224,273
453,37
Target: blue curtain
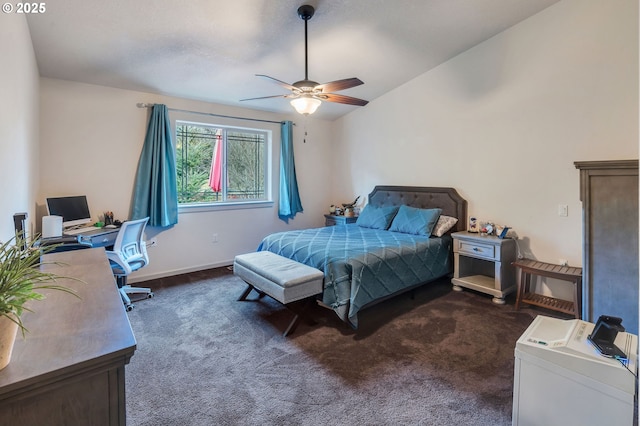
155,194
290,203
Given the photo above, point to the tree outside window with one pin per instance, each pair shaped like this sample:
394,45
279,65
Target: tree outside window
218,164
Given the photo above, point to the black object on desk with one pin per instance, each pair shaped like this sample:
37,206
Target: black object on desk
19,220
63,243
98,237
604,335
66,239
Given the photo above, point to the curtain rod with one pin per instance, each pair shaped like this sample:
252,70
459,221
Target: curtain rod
144,105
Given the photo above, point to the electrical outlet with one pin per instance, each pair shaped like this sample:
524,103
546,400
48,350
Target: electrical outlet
563,210
214,238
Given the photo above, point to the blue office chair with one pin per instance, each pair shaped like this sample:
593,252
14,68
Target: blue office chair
128,255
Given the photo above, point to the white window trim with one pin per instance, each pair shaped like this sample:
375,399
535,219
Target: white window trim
202,207
268,202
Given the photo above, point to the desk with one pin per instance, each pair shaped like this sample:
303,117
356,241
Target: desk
99,237
70,368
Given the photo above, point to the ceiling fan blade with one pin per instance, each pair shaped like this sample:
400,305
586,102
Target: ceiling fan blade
334,86
342,99
266,97
280,82
311,90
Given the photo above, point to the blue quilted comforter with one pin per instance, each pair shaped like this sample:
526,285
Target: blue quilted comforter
362,265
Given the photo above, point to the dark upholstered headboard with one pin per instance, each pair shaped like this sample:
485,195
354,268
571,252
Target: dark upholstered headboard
447,199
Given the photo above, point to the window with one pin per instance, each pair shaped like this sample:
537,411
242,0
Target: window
221,164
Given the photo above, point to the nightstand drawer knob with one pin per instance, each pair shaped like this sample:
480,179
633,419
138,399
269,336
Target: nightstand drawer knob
476,249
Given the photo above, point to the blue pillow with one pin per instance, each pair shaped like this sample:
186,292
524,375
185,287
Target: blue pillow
376,217
411,220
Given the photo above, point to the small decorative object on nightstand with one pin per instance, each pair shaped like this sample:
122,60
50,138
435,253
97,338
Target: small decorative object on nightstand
473,225
332,219
483,263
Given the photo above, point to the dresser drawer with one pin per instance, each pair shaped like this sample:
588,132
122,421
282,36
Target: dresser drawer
487,251
100,240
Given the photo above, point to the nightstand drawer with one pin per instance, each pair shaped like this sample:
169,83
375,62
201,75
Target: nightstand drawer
331,220
477,249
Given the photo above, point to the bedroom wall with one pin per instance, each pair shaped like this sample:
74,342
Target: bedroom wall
18,123
504,121
90,144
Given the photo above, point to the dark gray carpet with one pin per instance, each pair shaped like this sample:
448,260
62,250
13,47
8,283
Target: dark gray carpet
203,358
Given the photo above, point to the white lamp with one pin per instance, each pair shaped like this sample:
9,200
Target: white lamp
306,104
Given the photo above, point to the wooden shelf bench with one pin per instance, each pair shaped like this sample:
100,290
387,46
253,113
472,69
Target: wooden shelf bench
529,267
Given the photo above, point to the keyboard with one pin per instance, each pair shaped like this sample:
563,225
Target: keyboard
58,240
80,230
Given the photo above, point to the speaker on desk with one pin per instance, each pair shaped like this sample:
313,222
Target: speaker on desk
51,226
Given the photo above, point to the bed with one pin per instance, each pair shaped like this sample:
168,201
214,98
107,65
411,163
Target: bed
365,265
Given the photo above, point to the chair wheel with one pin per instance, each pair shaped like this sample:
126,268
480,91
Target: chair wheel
150,295
129,308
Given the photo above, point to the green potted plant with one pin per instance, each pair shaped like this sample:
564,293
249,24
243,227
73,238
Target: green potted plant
21,280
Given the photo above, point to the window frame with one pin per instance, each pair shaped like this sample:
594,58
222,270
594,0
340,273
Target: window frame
227,204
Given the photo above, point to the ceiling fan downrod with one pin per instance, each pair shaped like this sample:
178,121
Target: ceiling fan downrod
305,12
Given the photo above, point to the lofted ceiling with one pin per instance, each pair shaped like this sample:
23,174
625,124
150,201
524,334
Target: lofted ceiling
210,50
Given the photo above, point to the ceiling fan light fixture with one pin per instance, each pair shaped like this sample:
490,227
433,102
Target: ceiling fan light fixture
307,94
306,105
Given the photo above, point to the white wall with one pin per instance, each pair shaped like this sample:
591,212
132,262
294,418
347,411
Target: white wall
91,138
18,124
504,121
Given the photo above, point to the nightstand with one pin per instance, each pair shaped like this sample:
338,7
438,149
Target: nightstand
332,219
483,263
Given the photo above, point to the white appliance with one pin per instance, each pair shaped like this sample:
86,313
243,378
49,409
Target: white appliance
560,378
51,226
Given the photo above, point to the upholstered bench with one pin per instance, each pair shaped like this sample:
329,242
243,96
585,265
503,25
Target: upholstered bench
283,279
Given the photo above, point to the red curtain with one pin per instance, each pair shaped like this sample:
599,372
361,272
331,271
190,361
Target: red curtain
215,175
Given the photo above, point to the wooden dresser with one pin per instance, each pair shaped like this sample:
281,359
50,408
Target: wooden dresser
609,195
70,368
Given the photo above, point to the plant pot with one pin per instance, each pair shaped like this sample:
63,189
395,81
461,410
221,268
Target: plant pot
8,332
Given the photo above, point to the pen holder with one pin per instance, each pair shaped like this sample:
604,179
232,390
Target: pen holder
108,218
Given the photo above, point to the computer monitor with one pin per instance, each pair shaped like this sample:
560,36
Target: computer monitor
74,210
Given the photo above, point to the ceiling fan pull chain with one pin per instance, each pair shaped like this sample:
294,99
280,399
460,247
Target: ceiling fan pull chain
304,140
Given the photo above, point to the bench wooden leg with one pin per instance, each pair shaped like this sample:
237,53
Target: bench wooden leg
292,326
245,293
299,314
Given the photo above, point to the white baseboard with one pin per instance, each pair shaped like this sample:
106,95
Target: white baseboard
142,277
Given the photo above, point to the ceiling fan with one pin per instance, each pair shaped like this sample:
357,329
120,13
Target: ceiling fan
307,95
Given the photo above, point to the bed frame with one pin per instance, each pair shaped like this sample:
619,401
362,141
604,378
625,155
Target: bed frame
423,197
